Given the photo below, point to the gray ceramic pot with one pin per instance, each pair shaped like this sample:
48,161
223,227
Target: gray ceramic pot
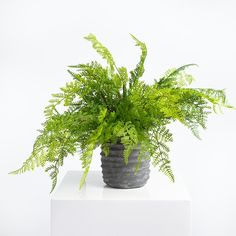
117,174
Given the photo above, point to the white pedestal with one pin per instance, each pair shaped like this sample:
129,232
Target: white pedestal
160,208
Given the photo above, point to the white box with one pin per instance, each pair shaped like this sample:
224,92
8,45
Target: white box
160,208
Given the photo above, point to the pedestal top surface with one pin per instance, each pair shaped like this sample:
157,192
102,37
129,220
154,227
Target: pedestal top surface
158,188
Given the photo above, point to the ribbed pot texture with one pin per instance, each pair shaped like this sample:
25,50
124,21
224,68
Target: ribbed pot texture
117,174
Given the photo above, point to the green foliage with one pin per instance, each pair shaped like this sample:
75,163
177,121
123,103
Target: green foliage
105,105
176,78
103,51
139,70
159,139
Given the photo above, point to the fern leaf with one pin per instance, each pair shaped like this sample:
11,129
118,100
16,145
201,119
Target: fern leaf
102,114
54,183
86,159
49,168
106,148
216,97
139,70
74,75
160,136
103,51
129,139
35,160
176,78
178,70
166,169
87,152
194,128
143,154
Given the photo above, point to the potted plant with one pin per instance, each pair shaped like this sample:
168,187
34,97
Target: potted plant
110,108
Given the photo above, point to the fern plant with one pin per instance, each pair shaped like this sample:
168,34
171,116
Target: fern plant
106,104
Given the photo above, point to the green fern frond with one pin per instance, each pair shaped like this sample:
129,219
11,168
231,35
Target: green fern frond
102,114
35,160
129,139
70,91
102,50
143,154
194,127
87,152
165,168
53,169
123,77
178,70
106,148
51,110
86,159
75,75
216,97
160,137
139,70
176,78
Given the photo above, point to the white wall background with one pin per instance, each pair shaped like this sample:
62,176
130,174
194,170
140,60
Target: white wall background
38,39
